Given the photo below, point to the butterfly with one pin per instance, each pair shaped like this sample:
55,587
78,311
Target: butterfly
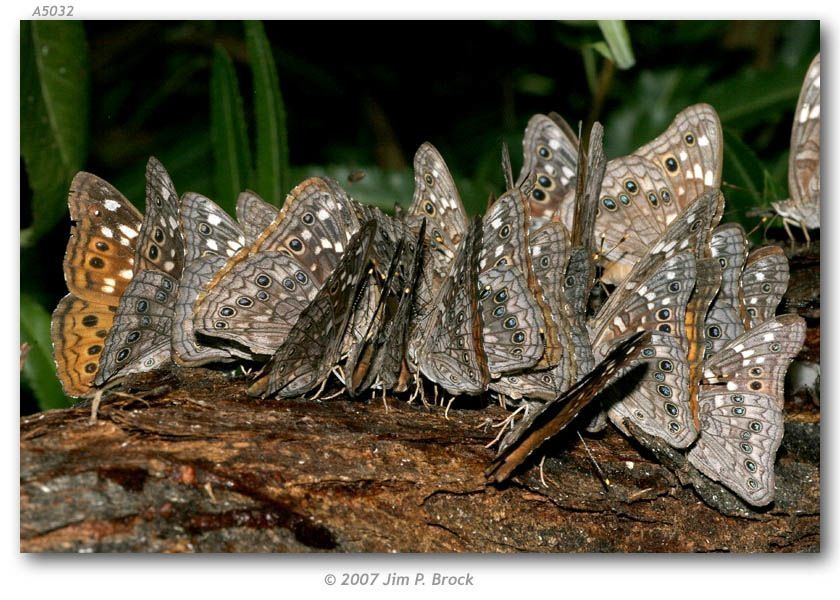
109,241
451,354
552,417
386,360
211,237
375,306
764,281
659,402
254,300
549,169
643,193
564,270
724,319
803,207
435,200
741,408
141,336
312,347
506,274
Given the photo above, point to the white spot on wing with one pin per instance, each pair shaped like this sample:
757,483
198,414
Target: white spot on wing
111,205
127,231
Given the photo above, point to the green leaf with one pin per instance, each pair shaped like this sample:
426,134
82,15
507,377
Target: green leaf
618,40
272,159
231,151
753,97
745,180
39,369
54,115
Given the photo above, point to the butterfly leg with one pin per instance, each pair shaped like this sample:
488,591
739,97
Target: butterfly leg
385,400
94,406
502,425
448,404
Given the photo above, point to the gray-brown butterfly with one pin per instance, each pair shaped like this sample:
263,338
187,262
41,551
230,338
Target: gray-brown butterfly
313,346
211,237
140,339
742,408
451,354
659,402
551,418
803,207
254,215
255,299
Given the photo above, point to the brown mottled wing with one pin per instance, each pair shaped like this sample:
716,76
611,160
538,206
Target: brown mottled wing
550,151
78,332
764,281
254,214
99,261
742,408
452,355
635,208
725,317
313,345
689,152
436,200
160,244
140,339
804,163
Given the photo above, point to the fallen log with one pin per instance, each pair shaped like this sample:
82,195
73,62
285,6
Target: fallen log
201,467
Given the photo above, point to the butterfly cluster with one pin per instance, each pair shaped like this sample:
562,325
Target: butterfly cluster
687,346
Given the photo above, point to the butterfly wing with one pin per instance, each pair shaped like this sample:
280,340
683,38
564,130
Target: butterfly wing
452,355
210,238
99,261
635,207
764,282
78,331
804,162
551,418
741,408
254,214
140,339
258,304
160,244
725,319
511,321
436,200
313,345
659,403
689,153
550,152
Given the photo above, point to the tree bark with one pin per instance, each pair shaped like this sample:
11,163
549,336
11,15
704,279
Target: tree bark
201,467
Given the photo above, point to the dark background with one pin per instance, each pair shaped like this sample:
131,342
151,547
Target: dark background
366,94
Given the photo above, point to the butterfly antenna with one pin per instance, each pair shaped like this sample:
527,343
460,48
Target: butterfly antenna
601,475
507,170
764,219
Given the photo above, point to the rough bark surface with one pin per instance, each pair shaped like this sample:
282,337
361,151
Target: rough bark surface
202,467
